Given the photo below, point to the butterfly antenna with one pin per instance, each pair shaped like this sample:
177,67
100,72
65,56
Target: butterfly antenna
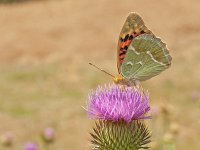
101,70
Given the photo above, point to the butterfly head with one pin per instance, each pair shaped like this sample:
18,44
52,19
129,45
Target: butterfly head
118,79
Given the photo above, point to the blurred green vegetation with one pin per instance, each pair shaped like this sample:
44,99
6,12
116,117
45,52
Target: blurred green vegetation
11,1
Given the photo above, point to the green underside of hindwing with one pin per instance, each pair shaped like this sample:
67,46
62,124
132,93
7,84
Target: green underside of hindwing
147,56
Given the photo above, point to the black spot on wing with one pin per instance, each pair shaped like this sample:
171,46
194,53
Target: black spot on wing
126,38
122,53
131,37
126,47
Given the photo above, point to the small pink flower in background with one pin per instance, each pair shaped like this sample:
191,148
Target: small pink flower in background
195,96
31,146
48,134
155,110
116,102
7,139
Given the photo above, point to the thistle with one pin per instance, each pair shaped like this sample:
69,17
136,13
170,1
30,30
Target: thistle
6,139
48,135
30,146
119,111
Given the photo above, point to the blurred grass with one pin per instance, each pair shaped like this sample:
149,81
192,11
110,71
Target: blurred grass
17,1
39,94
11,1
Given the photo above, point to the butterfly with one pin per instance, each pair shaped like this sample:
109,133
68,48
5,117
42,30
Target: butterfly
140,54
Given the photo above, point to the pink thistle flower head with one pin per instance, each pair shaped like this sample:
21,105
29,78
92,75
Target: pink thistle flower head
116,102
31,146
6,139
48,135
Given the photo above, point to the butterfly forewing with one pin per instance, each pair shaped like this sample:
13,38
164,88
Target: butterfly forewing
133,27
146,57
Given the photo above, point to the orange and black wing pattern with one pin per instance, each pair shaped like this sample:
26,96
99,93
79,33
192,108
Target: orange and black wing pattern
133,26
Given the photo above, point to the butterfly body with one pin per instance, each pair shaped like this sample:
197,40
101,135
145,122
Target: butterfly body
119,79
141,55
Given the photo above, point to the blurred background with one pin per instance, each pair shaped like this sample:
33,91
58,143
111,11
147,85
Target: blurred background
45,48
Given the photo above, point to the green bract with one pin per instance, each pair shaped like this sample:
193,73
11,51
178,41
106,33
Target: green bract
120,135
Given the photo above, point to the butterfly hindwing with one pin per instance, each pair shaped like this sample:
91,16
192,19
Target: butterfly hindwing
133,27
146,57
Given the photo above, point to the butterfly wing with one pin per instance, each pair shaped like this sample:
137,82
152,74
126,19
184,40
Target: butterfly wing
133,27
147,56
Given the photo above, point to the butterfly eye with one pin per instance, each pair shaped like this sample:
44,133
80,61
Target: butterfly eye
118,79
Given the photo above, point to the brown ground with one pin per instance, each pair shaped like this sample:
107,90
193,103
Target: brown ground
45,78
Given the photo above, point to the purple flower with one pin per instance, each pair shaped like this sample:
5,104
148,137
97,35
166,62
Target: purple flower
48,135
7,139
31,146
116,102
